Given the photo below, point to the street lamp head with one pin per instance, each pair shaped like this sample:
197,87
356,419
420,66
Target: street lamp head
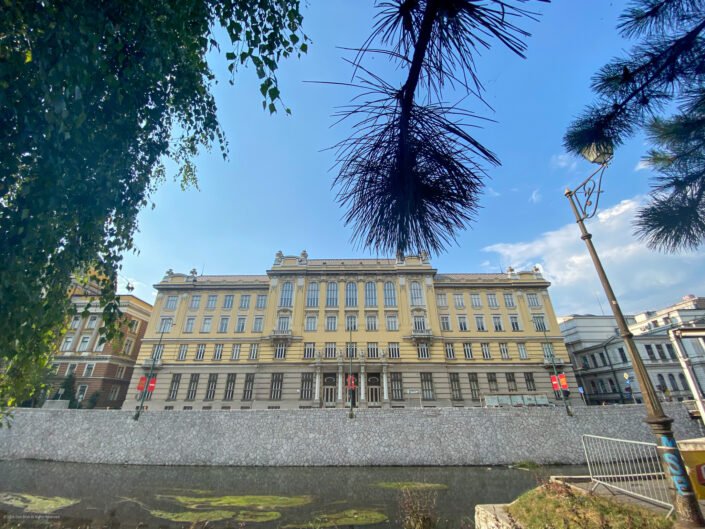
598,153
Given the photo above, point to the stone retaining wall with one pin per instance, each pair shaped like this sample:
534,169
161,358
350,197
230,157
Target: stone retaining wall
441,436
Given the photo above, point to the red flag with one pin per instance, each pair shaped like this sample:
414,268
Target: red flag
563,381
554,383
152,384
141,383
351,382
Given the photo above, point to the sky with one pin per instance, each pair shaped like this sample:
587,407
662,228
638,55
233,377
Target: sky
274,192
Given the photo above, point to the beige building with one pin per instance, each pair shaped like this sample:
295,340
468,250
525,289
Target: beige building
409,336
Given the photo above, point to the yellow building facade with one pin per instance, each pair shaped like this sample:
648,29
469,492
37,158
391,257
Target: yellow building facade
404,334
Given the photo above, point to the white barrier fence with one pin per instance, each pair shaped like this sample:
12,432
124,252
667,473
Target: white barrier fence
631,467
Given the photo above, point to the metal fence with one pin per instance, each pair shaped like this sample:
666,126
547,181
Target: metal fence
630,467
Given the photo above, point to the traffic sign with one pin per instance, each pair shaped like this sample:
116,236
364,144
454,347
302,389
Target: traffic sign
626,376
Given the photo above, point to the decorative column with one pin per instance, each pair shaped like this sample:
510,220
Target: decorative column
363,386
340,385
317,387
385,386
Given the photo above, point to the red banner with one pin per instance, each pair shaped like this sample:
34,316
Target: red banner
351,382
563,381
152,384
141,383
554,383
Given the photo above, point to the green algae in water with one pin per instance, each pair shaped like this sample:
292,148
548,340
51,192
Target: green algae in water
216,516
339,519
254,502
410,485
257,516
36,504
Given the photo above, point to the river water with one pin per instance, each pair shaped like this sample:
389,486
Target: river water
117,496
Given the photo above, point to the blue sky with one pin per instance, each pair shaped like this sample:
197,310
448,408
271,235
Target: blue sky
274,193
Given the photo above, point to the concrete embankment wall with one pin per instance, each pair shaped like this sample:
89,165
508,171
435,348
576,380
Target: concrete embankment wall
441,436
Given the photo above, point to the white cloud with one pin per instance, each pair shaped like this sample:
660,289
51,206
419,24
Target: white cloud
492,193
563,161
535,197
643,165
641,278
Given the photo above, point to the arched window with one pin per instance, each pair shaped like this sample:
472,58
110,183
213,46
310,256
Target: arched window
370,294
332,294
416,296
312,295
684,382
672,382
286,294
661,383
351,295
390,295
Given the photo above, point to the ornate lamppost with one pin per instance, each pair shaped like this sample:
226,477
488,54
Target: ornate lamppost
584,201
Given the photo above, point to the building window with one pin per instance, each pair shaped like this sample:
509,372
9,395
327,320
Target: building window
486,354
514,322
183,351
223,324
371,320
312,295
100,345
235,353
192,386
275,388
71,369
83,344
548,353
195,302
650,352
533,300
372,350
392,322
475,301
254,349
206,324
88,370
258,324
397,387
450,351
603,359
332,294
445,322
467,351
351,295
350,322
190,322
280,351
661,383
586,362
672,382
492,301
474,386
492,382
393,349
128,347
660,351
480,323
422,350
283,323
684,382
245,301
309,350
671,352
249,386
306,386
419,323
241,322
210,389
390,295
370,294
81,393
529,379
523,355
504,351
331,323
218,351
442,300
330,350
120,372
261,301
350,350
511,382
509,300
75,322
613,387
311,323
114,393
67,343
170,302
285,298
228,301
462,323
540,323
92,321
416,294
165,324
157,350
455,393
229,386
497,323
212,300
200,351
459,301
427,386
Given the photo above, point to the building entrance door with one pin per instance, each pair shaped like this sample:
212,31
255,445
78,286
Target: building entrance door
373,389
329,389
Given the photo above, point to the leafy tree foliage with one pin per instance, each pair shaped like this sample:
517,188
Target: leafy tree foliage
665,70
94,94
411,173
69,390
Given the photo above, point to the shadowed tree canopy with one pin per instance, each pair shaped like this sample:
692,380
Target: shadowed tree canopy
411,174
663,74
94,95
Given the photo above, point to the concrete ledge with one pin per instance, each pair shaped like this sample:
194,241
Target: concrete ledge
493,516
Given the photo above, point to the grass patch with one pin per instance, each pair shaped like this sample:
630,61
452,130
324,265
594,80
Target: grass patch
557,506
410,485
339,519
526,465
36,504
251,502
